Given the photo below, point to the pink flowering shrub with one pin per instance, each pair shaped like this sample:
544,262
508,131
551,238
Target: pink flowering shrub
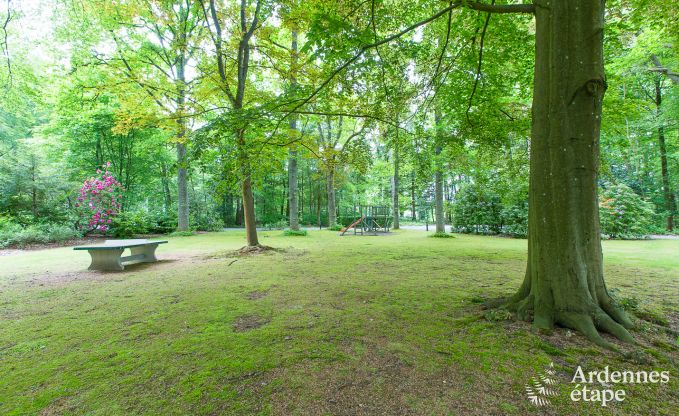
99,201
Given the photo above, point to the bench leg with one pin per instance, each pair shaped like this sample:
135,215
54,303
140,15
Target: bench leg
149,252
106,260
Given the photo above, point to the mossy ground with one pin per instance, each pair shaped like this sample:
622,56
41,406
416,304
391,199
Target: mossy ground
392,324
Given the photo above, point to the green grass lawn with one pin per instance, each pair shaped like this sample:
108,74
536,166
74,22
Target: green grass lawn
348,325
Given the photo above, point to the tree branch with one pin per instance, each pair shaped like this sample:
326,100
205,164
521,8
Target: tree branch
490,8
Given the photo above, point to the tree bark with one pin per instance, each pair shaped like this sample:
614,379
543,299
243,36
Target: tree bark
564,281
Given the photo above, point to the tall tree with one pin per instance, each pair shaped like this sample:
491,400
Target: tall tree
335,148
564,280
293,199
438,175
668,194
232,62
155,41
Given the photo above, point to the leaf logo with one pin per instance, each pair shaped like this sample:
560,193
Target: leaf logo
540,388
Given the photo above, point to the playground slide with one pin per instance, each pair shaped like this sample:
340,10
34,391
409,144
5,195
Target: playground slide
353,224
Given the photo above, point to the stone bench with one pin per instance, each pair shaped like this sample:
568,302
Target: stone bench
108,256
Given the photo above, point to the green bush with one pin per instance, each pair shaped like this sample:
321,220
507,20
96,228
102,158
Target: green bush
129,224
204,222
59,232
441,235
162,222
182,233
624,214
336,227
295,233
515,220
12,234
477,211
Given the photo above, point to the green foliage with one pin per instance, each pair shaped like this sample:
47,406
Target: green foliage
182,234
624,214
128,224
335,228
205,221
295,233
13,234
497,315
477,211
441,235
515,219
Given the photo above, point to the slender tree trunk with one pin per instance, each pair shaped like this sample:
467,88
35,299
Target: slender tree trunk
412,196
395,185
292,154
332,209
246,188
182,173
318,207
239,211
438,179
167,194
300,192
670,203
182,189
438,185
34,188
228,209
564,281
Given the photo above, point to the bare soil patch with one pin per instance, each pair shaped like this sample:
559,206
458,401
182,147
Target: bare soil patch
249,322
256,294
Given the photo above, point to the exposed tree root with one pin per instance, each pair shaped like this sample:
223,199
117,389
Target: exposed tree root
589,322
258,249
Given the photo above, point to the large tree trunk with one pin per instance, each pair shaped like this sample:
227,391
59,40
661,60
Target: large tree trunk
332,209
293,208
395,185
670,203
564,281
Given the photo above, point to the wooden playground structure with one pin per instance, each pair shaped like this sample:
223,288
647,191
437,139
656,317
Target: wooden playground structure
369,219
